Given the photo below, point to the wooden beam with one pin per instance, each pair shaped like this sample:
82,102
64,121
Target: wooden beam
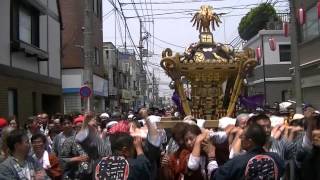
170,124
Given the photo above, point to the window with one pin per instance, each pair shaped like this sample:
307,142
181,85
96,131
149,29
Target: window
28,25
120,80
24,23
12,102
285,95
285,53
25,27
99,9
114,76
311,28
129,83
34,102
96,56
107,54
95,7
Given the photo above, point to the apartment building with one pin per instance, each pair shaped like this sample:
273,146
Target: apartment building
72,14
271,77
30,67
308,50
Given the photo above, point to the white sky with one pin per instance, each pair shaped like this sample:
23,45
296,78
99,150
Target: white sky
174,28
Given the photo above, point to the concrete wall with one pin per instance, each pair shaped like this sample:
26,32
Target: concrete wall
271,71
72,78
72,12
274,90
54,48
311,95
309,51
271,57
277,74
25,87
309,55
110,63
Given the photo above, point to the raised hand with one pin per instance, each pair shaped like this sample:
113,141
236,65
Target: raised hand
277,131
137,142
209,149
87,118
165,161
201,137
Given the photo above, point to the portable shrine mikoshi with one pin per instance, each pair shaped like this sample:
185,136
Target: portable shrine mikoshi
208,76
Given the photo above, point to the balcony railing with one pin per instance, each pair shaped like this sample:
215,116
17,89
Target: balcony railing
277,22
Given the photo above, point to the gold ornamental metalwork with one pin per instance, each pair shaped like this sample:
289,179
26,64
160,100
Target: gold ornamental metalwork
213,72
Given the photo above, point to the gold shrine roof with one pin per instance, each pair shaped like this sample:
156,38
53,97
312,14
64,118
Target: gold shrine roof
205,55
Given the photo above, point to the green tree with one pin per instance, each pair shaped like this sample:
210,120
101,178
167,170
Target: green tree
255,20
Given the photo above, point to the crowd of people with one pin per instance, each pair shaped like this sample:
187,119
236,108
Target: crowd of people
113,146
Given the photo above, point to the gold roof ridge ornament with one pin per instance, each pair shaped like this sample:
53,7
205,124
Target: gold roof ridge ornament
204,17
214,71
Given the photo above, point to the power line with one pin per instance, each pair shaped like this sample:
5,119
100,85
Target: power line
152,26
143,15
135,8
146,19
186,17
157,45
126,24
178,2
161,14
189,12
119,28
168,43
163,9
216,8
105,15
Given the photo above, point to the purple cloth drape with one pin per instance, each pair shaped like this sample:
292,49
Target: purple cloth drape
176,99
252,102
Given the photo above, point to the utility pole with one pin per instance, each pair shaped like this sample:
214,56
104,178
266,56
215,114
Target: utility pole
264,71
295,57
141,39
153,88
143,89
141,45
88,51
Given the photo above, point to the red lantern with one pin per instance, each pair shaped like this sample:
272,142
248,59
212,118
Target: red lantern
302,16
285,28
272,44
318,6
258,54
